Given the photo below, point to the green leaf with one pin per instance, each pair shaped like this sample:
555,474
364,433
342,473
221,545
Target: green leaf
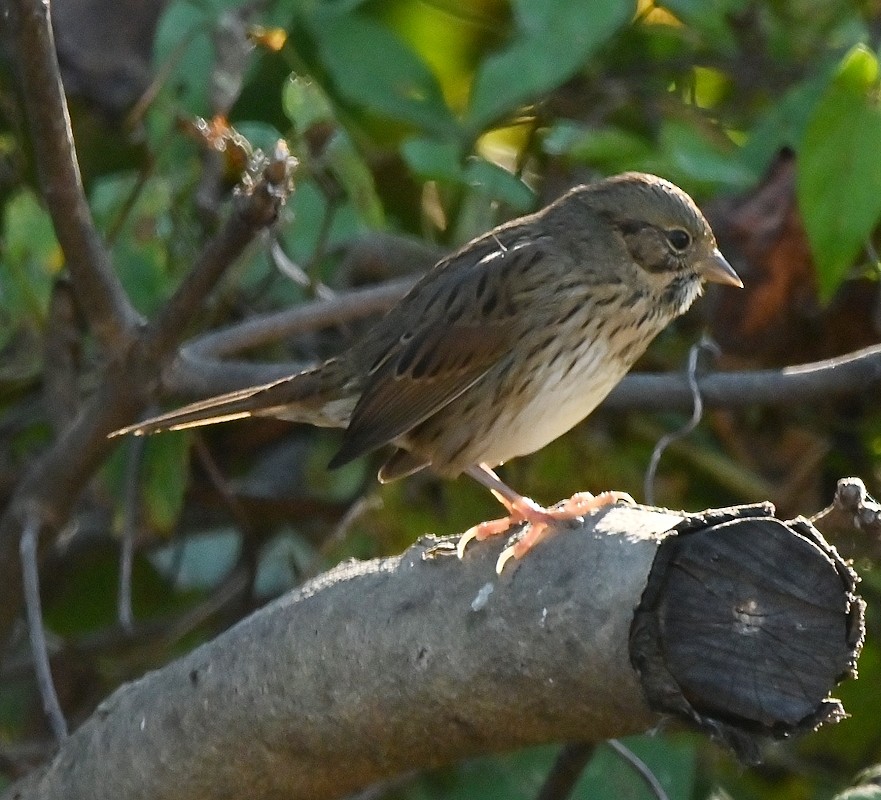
309,208
31,258
85,599
140,251
283,560
198,561
305,103
784,122
164,476
434,160
183,45
610,149
554,38
374,69
347,165
714,20
442,161
260,135
692,157
839,168
683,153
498,183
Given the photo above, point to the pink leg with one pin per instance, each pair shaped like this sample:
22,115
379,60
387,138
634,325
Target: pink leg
522,509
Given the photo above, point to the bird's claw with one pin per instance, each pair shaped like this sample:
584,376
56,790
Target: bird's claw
483,531
539,519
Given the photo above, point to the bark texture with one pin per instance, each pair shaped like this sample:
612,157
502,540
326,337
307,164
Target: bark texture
385,666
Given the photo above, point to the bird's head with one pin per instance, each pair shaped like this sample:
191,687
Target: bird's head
668,238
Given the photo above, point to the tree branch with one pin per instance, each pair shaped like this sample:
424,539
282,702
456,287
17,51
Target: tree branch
200,369
50,488
850,374
112,318
256,208
417,661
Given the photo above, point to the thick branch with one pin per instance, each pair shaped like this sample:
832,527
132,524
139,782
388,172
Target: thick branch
412,662
101,296
377,668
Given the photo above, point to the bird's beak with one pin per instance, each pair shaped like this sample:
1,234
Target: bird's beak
717,270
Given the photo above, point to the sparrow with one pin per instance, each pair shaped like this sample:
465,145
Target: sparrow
504,345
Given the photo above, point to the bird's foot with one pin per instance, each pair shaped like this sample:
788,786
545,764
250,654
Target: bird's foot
540,520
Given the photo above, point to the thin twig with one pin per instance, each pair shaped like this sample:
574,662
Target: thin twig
255,209
55,479
145,173
697,413
294,272
199,370
155,635
131,501
137,113
34,611
566,771
231,589
267,328
250,541
362,505
642,769
735,477
220,483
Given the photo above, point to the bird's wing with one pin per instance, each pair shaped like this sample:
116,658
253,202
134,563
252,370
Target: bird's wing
460,325
421,379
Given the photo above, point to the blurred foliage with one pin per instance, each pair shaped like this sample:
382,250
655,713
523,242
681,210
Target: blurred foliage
433,120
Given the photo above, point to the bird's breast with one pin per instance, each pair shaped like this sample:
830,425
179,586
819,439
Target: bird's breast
563,391
564,383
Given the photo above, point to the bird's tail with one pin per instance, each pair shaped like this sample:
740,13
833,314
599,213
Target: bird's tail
316,396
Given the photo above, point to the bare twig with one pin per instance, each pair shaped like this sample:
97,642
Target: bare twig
198,369
39,651
852,507
566,771
696,414
134,462
155,635
288,267
641,768
264,329
53,483
250,542
220,483
256,209
112,318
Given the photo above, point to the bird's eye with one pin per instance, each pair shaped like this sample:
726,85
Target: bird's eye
679,239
